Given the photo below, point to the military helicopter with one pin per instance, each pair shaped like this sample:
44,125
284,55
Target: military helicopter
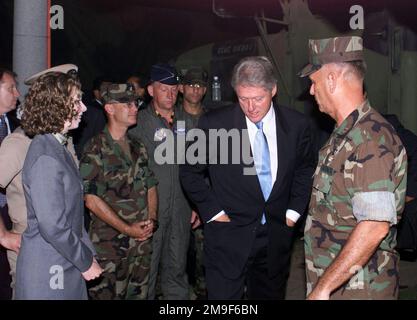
390,52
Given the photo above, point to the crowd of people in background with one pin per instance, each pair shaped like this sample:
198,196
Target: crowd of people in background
88,211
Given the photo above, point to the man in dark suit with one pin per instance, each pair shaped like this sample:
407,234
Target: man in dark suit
8,99
94,120
250,209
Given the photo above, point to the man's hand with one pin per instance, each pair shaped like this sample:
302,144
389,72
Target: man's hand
195,220
223,218
11,241
319,295
93,272
290,223
408,198
141,230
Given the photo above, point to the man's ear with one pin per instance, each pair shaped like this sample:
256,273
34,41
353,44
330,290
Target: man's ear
331,81
181,88
109,108
274,90
150,90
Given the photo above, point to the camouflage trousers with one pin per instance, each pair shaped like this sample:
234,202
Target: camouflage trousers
125,276
379,279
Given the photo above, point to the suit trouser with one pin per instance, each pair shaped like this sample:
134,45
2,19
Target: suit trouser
255,276
12,257
169,258
5,290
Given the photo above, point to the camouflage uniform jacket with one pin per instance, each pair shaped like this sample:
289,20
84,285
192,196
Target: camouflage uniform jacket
120,181
363,156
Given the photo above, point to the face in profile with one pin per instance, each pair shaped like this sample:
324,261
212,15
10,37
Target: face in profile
78,107
125,114
8,93
255,101
318,89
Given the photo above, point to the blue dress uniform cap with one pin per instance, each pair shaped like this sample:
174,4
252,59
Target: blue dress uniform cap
164,73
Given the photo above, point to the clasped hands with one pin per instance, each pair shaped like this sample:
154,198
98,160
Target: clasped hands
142,230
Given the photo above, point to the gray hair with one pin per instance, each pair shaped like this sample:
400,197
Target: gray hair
358,68
256,71
355,68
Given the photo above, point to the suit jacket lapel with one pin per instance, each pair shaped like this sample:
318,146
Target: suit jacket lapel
13,120
65,154
282,145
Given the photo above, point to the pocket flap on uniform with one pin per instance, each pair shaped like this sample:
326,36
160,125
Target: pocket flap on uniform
324,179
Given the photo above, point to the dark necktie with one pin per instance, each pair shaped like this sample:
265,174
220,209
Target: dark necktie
3,128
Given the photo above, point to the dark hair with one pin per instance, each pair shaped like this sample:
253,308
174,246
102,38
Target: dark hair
6,71
99,80
254,71
48,103
143,81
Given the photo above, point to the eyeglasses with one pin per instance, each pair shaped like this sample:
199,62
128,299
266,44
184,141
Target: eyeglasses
132,104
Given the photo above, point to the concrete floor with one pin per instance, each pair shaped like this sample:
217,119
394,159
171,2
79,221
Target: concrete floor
296,282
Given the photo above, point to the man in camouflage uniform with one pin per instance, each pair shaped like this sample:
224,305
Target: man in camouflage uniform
359,184
120,191
158,125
